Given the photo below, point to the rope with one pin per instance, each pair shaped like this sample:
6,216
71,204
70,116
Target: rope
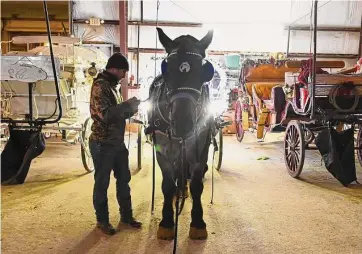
153,172
177,215
212,170
154,135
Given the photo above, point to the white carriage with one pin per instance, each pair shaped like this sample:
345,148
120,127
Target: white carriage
28,89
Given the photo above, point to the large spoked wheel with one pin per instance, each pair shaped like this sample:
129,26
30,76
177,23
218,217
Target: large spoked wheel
139,147
218,154
239,122
359,145
294,148
84,148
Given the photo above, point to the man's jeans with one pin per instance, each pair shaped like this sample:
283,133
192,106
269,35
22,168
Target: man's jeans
105,158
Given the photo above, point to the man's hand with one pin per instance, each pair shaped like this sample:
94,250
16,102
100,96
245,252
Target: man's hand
134,103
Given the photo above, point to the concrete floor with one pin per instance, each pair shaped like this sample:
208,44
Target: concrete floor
258,207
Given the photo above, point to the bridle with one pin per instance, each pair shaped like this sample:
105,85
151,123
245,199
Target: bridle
197,97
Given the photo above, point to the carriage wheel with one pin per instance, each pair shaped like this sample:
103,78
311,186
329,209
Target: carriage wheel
359,145
84,148
218,154
139,147
238,122
294,148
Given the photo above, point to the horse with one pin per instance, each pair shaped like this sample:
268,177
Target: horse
182,127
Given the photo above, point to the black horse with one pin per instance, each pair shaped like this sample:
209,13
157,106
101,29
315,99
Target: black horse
182,126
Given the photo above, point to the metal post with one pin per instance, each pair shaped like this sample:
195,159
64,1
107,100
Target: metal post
138,52
30,87
123,27
141,11
315,9
288,43
70,13
360,42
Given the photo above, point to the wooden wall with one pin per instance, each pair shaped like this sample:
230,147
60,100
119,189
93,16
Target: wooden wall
27,18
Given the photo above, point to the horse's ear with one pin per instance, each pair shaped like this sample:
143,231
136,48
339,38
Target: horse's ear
205,42
166,42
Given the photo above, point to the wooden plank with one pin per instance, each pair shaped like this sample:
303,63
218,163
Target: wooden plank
44,39
33,9
320,64
34,26
329,79
323,55
326,79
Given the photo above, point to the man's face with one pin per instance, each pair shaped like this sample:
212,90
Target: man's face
120,74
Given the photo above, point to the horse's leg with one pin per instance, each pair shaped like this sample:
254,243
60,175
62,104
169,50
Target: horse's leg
198,226
166,226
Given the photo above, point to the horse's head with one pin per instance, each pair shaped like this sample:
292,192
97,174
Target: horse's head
185,71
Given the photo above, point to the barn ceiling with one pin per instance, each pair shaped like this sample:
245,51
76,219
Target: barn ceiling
332,13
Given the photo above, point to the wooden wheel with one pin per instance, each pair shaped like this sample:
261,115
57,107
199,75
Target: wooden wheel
218,154
294,148
359,144
85,151
239,122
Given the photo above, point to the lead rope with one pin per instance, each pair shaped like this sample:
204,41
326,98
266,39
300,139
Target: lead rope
212,170
154,135
178,208
153,171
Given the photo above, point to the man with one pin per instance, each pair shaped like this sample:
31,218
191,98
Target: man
107,146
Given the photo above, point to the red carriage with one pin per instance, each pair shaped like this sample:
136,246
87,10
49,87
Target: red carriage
261,102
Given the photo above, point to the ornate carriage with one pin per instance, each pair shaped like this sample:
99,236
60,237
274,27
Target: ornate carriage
326,110
261,102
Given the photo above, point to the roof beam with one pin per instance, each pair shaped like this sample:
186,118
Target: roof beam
143,23
164,23
324,29
222,52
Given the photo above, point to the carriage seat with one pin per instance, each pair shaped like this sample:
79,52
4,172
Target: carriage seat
270,96
262,94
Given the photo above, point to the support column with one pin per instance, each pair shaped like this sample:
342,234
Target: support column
123,18
360,42
123,43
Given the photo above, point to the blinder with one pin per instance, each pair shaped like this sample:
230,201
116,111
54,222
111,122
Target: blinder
208,68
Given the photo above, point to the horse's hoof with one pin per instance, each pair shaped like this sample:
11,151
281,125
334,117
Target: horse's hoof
165,233
198,233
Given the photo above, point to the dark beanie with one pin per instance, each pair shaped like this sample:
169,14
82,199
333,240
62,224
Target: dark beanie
118,61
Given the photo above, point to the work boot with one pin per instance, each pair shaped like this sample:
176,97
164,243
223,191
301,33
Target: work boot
131,222
106,228
126,213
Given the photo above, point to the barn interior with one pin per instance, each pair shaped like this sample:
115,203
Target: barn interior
285,153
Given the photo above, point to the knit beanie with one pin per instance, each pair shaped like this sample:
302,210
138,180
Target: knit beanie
118,61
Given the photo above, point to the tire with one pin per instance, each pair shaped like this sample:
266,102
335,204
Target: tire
86,156
359,144
294,140
218,154
239,122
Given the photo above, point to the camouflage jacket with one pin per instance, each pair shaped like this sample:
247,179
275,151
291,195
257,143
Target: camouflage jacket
107,110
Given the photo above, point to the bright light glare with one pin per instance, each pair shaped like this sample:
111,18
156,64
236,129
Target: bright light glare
145,106
217,107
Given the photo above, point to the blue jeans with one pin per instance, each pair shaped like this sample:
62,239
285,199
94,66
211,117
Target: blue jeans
105,158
